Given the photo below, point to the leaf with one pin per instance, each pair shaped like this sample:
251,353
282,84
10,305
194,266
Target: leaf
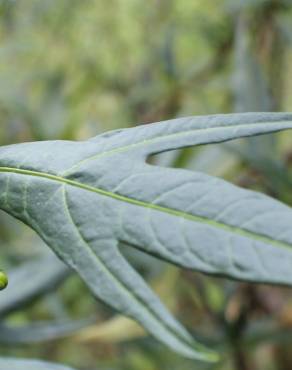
119,328
85,199
13,364
41,331
47,273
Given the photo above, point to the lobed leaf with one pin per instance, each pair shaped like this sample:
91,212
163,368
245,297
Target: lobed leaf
87,199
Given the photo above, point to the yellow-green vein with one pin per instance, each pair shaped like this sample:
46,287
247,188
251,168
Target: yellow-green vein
170,211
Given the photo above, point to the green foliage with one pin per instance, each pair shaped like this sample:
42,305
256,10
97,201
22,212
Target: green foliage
73,69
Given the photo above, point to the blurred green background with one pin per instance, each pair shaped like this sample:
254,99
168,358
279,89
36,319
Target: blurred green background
71,69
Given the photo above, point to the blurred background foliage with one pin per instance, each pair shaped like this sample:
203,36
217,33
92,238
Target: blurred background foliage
71,69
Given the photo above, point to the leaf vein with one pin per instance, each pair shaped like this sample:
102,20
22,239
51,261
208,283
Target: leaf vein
170,211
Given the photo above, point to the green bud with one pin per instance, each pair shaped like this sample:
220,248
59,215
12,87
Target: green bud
3,280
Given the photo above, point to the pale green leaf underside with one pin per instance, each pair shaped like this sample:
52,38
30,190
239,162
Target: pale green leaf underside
87,198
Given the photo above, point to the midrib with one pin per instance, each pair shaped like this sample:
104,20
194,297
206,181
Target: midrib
139,203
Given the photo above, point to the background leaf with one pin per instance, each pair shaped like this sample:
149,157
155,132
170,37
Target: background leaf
13,364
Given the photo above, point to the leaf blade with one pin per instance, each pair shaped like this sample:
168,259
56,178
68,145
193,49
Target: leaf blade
100,193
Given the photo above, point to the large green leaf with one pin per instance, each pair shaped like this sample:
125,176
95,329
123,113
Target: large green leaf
14,364
85,199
